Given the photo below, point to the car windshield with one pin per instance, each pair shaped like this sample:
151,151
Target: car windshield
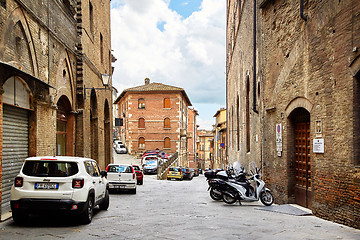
175,169
122,145
119,168
50,168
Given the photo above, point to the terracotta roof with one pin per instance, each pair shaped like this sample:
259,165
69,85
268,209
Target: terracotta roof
154,87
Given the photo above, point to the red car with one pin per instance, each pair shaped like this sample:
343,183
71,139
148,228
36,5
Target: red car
139,175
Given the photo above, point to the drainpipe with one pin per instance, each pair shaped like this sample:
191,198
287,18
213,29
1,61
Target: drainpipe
302,11
254,60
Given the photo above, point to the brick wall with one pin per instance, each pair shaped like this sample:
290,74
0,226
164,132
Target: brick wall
303,64
240,74
37,41
311,60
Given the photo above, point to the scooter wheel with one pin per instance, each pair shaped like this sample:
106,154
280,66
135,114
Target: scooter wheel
266,198
215,196
228,198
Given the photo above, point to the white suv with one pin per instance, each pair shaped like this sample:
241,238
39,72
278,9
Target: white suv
69,185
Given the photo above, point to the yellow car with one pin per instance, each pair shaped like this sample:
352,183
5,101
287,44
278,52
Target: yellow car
175,173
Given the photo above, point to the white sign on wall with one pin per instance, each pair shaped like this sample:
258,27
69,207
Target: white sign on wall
318,145
279,139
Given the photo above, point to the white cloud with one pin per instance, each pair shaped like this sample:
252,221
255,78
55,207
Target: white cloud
188,53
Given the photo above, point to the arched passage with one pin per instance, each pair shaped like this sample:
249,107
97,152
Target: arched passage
94,142
107,132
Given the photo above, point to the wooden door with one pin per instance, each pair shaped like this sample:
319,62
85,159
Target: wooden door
303,193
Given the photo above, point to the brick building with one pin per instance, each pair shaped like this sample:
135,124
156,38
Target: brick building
53,56
154,115
220,158
191,134
293,89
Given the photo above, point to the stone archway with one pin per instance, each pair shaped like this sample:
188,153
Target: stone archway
65,122
107,133
94,125
299,154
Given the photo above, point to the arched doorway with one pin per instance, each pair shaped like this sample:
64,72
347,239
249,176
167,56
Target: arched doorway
300,160
94,142
64,128
16,109
107,133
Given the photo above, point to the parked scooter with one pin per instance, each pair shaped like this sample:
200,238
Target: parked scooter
217,181
244,190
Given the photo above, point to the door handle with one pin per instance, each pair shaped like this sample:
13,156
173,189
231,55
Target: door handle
93,182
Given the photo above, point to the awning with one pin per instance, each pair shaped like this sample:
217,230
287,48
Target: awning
8,71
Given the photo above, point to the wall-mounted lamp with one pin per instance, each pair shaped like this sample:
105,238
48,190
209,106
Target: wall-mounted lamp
105,78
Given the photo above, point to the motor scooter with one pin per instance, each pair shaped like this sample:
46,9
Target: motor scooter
217,181
250,190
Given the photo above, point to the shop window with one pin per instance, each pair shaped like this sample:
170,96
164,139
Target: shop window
141,143
167,123
167,143
141,123
166,102
141,103
63,138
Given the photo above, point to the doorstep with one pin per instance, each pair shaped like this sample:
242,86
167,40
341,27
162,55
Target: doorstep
5,216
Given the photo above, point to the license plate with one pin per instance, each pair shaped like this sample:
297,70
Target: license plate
118,186
46,186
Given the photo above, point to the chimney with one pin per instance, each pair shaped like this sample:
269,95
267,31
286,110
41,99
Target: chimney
147,81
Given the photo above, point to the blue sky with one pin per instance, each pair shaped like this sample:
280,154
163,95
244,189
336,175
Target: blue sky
186,7
178,42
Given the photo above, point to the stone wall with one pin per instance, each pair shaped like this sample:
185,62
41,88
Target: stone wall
302,64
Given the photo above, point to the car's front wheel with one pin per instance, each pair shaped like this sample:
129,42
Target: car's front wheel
87,215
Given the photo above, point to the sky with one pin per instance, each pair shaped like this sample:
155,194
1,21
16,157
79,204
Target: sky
175,42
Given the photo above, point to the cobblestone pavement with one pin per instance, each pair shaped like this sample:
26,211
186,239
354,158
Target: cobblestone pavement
178,210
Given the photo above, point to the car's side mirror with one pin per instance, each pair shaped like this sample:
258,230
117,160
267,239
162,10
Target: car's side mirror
103,173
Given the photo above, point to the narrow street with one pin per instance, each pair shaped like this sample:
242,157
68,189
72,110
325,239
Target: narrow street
178,210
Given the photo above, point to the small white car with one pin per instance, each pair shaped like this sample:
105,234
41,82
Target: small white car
116,143
121,177
120,148
59,185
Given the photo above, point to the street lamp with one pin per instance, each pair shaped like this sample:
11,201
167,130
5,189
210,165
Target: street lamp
105,78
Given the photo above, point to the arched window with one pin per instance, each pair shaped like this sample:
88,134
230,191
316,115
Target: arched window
64,127
167,143
141,103
167,123
166,102
141,143
141,123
